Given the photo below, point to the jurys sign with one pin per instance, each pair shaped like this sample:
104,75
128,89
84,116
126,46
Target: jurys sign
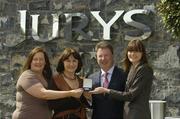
105,25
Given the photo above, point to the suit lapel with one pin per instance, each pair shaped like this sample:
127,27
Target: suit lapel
97,79
132,76
113,77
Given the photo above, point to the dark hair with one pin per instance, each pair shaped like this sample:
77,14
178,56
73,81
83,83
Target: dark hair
65,55
104,44
47,72
134,45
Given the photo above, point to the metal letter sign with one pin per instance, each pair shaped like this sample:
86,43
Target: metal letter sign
83,23
55,28
128,20
78,29
106,27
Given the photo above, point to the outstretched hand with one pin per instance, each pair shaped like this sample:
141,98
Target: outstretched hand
77,93
100,90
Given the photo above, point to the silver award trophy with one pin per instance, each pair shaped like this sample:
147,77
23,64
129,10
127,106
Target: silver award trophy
87,84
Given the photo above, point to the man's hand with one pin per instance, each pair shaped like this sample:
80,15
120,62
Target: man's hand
99,90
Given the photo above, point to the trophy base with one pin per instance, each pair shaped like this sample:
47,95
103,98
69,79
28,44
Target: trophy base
87,89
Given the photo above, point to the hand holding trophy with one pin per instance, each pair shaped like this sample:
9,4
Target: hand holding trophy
87,84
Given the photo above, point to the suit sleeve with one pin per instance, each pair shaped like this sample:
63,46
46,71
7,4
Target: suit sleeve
141,79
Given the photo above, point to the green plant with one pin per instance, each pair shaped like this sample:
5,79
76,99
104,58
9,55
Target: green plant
169,10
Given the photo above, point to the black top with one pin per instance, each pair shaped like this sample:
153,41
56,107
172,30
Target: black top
68,103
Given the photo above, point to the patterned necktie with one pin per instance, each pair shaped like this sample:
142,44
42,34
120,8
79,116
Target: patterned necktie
106,81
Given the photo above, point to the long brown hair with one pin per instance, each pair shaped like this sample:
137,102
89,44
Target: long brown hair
47,72
65,55
134,45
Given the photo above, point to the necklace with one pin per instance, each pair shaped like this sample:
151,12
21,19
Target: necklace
69,77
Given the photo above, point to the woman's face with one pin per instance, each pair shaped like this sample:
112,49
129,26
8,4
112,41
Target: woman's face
70,64
38,62
134,57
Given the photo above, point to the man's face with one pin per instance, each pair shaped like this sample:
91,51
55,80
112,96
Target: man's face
104,58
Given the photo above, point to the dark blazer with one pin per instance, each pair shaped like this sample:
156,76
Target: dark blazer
138,88
103,106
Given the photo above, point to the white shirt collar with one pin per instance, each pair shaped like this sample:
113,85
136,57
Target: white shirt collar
109,71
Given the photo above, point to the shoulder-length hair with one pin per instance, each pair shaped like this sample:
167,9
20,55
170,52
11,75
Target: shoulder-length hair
134,45
47,72
65,55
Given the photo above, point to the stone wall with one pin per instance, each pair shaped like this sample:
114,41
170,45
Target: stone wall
163,51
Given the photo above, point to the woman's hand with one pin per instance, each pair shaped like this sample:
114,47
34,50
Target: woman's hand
99,90
76,93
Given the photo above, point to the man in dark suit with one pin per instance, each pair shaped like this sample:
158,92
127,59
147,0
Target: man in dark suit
109,76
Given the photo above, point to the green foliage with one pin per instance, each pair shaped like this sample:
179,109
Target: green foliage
169,10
